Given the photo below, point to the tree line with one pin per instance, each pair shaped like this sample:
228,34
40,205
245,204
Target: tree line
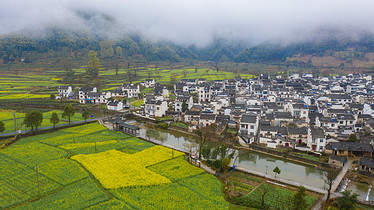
34,118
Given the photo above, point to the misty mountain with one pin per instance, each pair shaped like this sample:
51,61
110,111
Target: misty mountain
14,46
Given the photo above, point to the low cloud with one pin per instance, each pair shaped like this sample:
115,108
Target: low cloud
194,22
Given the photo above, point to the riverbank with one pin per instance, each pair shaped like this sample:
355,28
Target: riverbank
279,156
317,164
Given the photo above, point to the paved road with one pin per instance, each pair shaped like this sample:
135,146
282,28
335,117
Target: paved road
45,128
335,185
341,175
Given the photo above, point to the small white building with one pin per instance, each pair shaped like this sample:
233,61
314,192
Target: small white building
249,124
316,140
207,119
65,91
83,94
149,83
155,108
131,90
117,105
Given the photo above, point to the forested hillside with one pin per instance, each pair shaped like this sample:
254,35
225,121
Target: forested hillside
13,48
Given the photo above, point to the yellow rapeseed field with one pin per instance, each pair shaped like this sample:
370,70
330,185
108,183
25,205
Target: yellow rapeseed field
80,145
115,169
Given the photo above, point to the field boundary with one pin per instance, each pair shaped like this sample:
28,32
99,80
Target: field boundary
42,130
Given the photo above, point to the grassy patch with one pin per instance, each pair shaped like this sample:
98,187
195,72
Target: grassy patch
80,195
18,183
33,154
179,124
176,169
63,171
277,197
137,103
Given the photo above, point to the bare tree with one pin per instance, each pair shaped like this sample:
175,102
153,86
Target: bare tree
329,178
130,75
116,65
68,67
205,134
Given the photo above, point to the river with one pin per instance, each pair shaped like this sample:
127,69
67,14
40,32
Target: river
302,173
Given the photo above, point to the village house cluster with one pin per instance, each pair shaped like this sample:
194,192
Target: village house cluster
301,111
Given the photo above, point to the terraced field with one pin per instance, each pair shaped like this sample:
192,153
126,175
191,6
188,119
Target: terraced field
40,84
89,166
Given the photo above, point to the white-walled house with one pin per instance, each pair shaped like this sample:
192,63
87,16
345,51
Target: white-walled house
83,94
298,110
155,108
207,119
97,98
115,105
131,90
160,108
179,102
316,140
249,124
149,83
65,91
368,109
326,122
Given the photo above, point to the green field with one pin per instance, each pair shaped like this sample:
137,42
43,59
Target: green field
42,83
65,169
276,198
7,117
137,103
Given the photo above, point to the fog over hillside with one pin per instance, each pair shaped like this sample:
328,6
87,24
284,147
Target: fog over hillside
194,22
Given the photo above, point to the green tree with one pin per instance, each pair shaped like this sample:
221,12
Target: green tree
119,51
299,202
33,119
85,114
184,106
52,96
225,155
118,56
205,134
206,152
347,201
276,171
353,138
2,126
68,112
106,49
93,65
263,190
54,119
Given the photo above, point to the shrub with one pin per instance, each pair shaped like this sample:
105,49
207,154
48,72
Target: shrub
162,125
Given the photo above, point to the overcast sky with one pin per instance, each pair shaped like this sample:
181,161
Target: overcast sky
189,22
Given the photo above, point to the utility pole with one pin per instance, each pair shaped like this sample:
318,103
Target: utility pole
15,121
37,179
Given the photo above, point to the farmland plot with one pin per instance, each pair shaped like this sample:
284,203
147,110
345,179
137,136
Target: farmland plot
33,154
18,182
79,195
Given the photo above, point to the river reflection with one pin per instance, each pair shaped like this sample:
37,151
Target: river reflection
305,174
361,189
